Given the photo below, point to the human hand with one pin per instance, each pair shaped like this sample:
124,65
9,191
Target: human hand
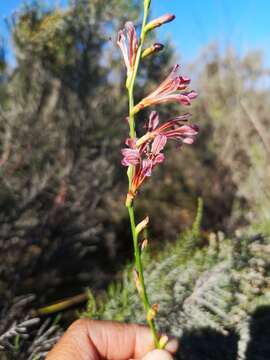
94,340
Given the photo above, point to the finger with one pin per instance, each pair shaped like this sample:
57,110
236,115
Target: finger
117,341
90,339
172,346
75,344
158,355
106,339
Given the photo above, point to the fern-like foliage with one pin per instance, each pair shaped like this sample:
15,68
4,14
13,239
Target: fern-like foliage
207,288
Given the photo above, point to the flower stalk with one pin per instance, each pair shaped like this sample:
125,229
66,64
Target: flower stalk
129,203
143,154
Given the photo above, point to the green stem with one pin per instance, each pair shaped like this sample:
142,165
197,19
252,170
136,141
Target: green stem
132,134
139,268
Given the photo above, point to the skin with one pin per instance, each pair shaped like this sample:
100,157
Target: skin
107,340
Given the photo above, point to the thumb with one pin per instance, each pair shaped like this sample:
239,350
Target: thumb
158,355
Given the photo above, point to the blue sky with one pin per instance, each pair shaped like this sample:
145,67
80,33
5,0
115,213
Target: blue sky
242,23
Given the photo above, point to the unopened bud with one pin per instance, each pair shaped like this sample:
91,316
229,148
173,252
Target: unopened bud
159,21
155,48
163,341
142,225
137,281
152,313
144,244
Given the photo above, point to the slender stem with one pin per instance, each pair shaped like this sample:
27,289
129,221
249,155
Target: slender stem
139,267
132,134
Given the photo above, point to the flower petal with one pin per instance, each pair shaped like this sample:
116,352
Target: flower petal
133,43
121,42
153,121
159,159
147,166
188,140
183,117
188,130
131,157
192,94
131,143
184,82
128,45
158,144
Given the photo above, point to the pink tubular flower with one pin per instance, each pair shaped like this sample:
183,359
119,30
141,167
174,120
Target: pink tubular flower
128,43
144,158
146,153
172,129
168,91
131,155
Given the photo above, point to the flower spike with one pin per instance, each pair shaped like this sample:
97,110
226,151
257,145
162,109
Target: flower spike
141,155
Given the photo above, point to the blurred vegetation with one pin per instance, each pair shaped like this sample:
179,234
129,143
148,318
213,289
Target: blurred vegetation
213,293
63,226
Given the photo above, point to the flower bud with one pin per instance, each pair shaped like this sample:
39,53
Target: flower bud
159,21
155,48
142,225
152,313
137,282
163,341
144,244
